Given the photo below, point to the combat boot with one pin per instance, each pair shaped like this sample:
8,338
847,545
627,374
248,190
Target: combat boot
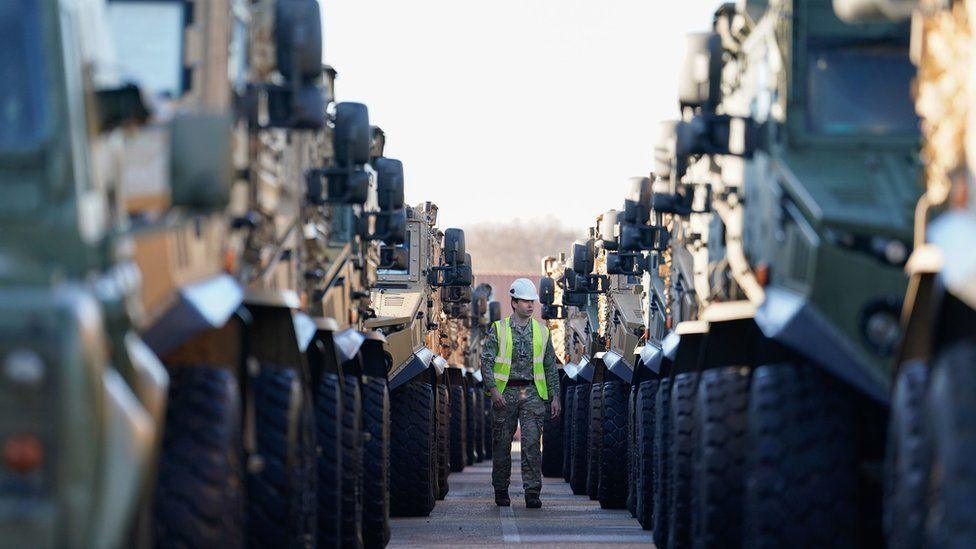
532,501
501,498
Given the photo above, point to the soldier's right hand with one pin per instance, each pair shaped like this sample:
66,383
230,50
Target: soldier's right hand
497,400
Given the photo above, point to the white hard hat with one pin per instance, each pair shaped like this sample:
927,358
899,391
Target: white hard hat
523,288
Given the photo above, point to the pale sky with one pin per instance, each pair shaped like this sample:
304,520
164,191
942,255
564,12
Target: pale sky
509,109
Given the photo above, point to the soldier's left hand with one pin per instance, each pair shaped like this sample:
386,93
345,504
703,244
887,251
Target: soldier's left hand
555,409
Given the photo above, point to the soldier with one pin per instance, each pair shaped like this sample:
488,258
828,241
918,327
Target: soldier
518,365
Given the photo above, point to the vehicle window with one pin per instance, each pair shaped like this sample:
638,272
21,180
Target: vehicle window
860,91
389,253
23,84
148,37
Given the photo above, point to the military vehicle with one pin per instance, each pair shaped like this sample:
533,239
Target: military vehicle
576,319
208,224
791,191
928,489
461,334
416,281
569,331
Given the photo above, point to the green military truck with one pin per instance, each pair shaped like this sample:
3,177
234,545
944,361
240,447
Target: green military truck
928,487
792,187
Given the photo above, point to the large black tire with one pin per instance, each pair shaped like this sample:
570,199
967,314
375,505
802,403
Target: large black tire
717,493
479,425
646,416
459,424
282,494
595,438
662,462
908,459
486,419
199,499
412,448
470,414
351,523
612,490
552,447
568,404
443,441
683,455
376,463
950,407
579,452
801,460
328,414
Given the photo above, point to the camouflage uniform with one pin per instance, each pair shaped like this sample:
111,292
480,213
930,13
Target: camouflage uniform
523,405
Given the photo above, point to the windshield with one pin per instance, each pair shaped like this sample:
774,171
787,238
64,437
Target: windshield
148,36
860,91
23,83
394,260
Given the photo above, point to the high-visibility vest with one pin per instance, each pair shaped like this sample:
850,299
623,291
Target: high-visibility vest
503,361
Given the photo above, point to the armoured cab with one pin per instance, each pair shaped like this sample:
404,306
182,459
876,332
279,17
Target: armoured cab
829,193
407,298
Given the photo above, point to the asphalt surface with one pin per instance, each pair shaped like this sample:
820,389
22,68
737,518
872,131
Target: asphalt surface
468,517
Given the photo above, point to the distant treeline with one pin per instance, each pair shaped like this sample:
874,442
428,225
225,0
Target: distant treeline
517,246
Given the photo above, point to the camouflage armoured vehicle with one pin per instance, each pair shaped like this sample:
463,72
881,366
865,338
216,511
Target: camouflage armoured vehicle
570,331
461,332
416,281
580,285
928,496
193,226
793,197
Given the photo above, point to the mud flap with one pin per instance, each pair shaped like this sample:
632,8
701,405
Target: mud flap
417,363
204,305
619,366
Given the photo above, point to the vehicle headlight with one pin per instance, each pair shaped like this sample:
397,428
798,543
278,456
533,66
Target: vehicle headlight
881,325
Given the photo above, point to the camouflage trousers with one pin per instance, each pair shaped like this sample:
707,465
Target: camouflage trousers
524,406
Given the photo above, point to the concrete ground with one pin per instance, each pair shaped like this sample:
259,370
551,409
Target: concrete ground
468,517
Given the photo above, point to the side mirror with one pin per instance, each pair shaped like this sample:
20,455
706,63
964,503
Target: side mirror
201,162
582,259
575,299
630,240
391,228
547,290
608,225
389,183
346,188
664,149
464,275
569,279
456,294
352,134
494,311
377,142
553,312
298,39
700,77
453,246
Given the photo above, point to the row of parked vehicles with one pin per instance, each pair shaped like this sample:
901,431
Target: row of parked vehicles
770,343
221,324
